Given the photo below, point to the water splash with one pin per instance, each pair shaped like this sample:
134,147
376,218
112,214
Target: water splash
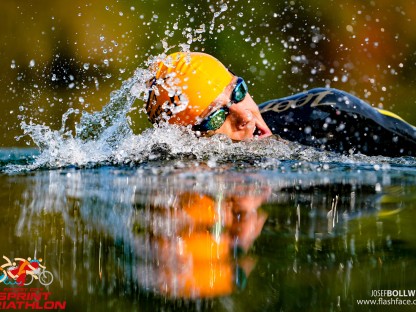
166,144
96,136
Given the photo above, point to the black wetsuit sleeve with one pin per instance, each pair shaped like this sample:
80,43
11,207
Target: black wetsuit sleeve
334,120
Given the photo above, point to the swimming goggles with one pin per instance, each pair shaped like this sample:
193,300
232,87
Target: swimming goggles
215,120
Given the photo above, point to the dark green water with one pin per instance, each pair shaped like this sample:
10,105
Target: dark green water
165,236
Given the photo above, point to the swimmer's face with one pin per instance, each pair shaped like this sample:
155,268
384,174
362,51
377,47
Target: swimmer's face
243,120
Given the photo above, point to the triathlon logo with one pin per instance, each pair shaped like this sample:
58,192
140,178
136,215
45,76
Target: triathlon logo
24,271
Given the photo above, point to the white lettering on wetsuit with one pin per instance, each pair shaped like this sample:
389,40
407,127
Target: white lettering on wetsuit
313,98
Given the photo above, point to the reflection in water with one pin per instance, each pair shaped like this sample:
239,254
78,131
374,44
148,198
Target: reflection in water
125,238
196,245
179,241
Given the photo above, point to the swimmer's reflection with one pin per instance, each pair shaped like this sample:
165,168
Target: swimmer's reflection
195,245
186,239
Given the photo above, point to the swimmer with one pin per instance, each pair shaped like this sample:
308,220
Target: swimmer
195,89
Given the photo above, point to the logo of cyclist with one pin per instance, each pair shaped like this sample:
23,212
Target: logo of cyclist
24,272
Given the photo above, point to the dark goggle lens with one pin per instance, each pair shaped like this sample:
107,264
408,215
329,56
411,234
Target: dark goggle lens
213,121
240,91
217,119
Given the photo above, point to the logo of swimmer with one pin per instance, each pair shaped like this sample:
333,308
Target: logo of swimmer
23,271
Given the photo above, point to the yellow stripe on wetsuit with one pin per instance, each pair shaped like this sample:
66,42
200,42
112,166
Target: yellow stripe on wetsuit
390,114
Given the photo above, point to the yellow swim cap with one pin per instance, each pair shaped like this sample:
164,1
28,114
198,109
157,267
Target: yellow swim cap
186,83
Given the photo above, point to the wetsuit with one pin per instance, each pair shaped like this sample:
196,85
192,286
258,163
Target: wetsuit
337,121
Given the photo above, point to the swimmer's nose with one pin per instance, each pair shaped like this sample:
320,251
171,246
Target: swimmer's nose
241,115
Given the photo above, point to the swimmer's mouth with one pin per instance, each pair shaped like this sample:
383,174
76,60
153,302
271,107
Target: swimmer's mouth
257,132
261,132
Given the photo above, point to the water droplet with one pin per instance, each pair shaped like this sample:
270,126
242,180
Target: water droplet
86,66
102,38
32,63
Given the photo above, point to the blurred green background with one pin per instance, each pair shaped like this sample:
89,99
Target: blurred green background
57,55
